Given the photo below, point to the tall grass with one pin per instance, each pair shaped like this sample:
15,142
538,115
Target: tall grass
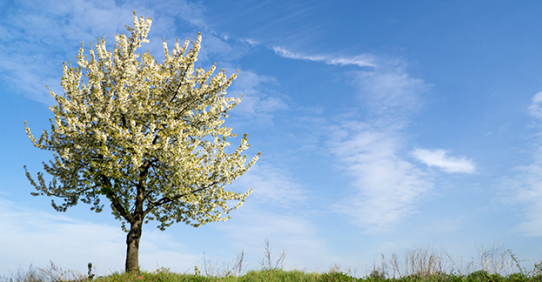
425,261
419,264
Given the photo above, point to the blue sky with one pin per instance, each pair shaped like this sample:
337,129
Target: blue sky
383,126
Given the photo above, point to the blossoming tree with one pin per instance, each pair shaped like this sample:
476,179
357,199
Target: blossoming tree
146,136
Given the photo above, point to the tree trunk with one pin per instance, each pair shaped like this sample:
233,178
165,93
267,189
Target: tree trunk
132,242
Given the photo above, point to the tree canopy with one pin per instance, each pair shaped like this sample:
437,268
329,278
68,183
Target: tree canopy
148,136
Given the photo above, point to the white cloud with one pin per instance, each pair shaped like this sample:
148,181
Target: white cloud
272,186
535,109
524,189
364,60
271,212
391,93
31,55
387,88
42,236
259,101
293,233
278,210
249,41
45,34
438,158
386,188
34,237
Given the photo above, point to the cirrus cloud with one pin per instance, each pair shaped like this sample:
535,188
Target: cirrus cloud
535,109
363,60
438,158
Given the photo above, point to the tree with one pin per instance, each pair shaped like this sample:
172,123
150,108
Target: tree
149,137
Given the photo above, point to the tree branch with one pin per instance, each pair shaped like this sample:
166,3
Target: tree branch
166,200
113,198
182,79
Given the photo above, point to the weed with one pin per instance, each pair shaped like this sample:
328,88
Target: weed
267,263
419,265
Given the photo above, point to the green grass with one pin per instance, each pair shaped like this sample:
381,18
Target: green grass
422,264
291,275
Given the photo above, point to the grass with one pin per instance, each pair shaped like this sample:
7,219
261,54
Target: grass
421,264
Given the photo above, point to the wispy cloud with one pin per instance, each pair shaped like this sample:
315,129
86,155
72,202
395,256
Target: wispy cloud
273,186
43,236
294,233
524,189
385,187
271,212
38,37
260,100
249,41
279,209
535,109
387,88
440,159
364,60
390,93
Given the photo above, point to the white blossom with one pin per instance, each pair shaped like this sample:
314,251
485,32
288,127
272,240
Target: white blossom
138,132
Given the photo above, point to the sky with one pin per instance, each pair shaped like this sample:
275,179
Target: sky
384,126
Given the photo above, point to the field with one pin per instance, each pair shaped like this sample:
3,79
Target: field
422,264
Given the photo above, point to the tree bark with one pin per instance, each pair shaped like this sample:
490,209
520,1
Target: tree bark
132,242
134,235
